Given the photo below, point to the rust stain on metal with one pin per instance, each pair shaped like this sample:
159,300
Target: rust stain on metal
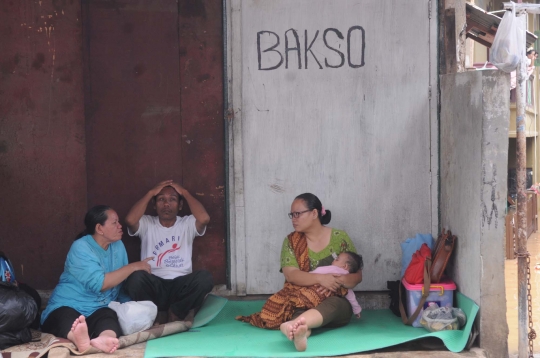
159,105
201,36
48,155
117,152
140,127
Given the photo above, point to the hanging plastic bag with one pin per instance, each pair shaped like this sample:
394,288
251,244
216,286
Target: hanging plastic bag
134,316
508,47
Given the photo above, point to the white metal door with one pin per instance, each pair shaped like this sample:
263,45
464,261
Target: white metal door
335,100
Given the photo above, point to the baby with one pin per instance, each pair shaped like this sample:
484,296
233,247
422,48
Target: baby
344,263
280,307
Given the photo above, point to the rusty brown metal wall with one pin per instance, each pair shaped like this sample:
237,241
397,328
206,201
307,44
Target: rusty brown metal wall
203,146
42,139
132,101
154,109
150,109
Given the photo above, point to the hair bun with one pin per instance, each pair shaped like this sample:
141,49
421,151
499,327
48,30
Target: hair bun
325,219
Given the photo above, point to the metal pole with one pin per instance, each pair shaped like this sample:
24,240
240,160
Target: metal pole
521,153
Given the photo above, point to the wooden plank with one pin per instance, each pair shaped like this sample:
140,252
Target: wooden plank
479,40
449,60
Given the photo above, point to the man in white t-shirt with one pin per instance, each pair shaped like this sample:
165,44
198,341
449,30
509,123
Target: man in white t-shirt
168,238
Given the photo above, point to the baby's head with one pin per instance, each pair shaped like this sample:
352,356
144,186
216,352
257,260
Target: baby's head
349,261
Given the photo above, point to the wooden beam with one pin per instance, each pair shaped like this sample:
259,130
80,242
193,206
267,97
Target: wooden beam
479,40
482,28
449,61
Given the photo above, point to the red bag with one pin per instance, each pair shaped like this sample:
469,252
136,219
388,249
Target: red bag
414,274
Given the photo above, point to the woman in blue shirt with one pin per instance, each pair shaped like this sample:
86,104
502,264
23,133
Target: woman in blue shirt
95,268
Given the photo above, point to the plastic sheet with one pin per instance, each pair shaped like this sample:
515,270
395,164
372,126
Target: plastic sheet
18,309
10,339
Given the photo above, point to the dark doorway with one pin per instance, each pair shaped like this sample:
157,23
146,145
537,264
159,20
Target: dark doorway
153,73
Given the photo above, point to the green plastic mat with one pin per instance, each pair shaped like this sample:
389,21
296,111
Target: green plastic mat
210,309
226,337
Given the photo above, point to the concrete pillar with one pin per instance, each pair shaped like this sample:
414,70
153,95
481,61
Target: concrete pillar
475,112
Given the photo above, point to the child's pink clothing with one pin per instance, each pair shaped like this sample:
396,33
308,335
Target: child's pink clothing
350,293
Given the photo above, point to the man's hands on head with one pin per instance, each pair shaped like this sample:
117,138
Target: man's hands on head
155,190
138,209
179,189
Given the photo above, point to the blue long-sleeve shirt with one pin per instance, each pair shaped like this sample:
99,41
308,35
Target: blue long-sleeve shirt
84,272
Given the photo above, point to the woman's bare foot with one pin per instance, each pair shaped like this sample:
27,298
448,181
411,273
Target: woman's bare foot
287,329
79,334
105,344
301,334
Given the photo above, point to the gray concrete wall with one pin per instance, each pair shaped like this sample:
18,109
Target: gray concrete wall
474,155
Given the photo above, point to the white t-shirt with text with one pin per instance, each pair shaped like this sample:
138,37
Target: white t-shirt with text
171,247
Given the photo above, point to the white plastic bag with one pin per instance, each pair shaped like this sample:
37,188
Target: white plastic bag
508,47
134,316
435,318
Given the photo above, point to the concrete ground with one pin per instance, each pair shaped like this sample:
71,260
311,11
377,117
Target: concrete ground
533,246
411,350
429,347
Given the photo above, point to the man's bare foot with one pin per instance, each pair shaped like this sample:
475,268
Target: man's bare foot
301,334
105,344
79,334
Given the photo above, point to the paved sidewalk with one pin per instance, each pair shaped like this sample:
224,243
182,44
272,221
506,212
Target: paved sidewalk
409,350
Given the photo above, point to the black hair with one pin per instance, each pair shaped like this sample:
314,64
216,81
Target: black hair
94,216
312,202
531,51
355,261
